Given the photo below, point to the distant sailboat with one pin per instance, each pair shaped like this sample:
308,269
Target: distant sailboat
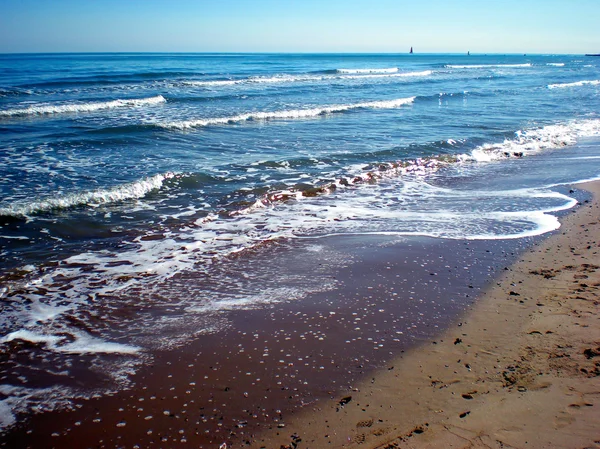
411,52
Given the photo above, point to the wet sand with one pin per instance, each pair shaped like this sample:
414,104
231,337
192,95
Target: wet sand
396,354
522,369
267,365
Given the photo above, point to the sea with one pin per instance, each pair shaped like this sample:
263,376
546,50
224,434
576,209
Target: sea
129,182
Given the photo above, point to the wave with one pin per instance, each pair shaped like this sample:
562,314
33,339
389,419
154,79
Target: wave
525,143
575,84
303,78
486,66
124,192
394,75
14,91
556,64
352,71
47,109
285,114
534,140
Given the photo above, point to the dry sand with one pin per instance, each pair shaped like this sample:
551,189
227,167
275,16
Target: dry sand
521,371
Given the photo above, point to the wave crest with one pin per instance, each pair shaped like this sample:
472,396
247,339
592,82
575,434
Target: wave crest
352,71
575,84
124,192
286,114
48,109
354,74
534,140
486,66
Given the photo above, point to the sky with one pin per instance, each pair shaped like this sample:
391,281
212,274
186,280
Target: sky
390,26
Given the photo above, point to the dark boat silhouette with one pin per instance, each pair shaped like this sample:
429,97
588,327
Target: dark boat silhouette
411,51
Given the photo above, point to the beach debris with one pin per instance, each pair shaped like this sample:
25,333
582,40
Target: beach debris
457,341
223,446
464,414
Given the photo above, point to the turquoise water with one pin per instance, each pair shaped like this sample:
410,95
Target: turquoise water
121,172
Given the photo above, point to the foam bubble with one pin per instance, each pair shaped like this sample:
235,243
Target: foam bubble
286,114
48,109
556,64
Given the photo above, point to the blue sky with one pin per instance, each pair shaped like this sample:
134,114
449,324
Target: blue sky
501,26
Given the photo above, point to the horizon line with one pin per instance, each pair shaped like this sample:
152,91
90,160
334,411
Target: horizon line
292,53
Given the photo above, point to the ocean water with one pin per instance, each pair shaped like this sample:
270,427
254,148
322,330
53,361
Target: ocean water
123,176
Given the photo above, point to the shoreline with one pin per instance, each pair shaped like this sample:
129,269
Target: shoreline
520,370
328,380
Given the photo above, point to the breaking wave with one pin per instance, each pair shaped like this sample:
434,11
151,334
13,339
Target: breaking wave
575,84
352,71
48,109
286,114
337,75
124,192
486,66
534,140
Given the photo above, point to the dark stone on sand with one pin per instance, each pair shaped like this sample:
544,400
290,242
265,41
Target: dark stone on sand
464,414
457,341
591,353
345,400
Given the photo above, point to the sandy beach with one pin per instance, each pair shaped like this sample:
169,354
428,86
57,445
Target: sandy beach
521,369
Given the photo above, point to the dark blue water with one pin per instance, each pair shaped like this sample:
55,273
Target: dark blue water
120,172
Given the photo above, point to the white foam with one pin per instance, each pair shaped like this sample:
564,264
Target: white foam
48,109
394,75
373,70
32,337
535,140
352,75
82,343
486,66
575,84
265,297
124,192
7,418
86,344
286,114
556,64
